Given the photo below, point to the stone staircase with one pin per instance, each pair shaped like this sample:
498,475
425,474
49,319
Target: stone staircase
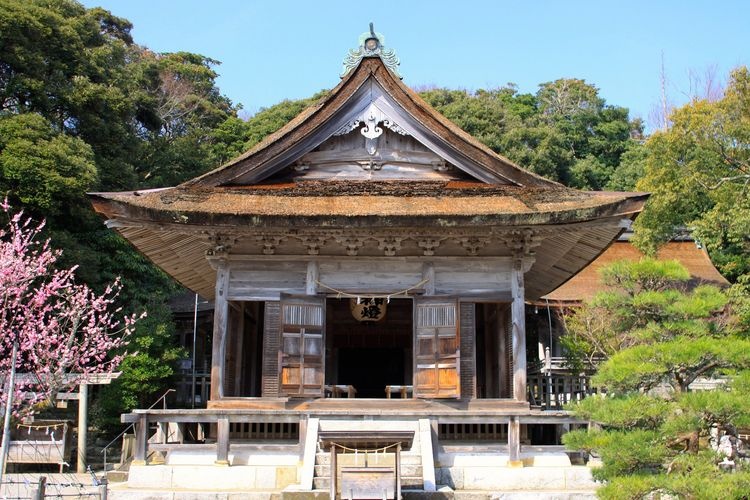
316,472
411,467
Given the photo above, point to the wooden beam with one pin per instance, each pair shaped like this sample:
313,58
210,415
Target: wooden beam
221,318
68,378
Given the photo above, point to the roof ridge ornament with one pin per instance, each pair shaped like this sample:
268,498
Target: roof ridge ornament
371,44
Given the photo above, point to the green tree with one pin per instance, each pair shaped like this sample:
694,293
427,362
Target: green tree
698,172
566,132
595,133
41,168
82,108
192,119
269,120
481,114
631,169
658,338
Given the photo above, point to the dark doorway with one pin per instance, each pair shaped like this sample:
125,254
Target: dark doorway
493,350
370,370
369,355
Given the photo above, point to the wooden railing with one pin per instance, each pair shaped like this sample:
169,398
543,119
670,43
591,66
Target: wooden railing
473,432
552,382
562,365
221,419
183,386
554,390
264,430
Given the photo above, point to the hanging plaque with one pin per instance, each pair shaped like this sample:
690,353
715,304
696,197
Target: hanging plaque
368,309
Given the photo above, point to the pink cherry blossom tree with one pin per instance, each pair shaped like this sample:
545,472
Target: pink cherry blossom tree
60,331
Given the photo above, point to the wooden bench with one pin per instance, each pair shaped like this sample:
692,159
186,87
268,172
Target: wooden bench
338,391
404,390
368,482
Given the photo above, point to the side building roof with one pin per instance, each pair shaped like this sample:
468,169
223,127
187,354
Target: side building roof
587,283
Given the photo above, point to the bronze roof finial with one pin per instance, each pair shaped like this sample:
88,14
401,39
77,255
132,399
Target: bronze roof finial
371,44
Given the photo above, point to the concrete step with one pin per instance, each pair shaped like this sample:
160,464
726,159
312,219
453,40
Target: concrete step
305,495
152,494
524,495
406,470
441,493
412,482
117,476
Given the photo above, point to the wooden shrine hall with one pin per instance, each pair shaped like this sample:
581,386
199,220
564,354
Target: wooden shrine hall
369,262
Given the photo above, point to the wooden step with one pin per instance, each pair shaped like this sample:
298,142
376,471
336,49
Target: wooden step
406,470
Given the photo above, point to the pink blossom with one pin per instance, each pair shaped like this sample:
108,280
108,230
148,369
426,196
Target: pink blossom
62,328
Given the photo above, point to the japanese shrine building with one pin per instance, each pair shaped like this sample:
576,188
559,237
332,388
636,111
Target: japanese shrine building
370,248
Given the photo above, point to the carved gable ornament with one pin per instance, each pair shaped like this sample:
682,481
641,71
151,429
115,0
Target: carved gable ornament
371,117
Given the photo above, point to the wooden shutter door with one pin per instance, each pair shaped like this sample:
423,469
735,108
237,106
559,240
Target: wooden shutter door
302,350
436,349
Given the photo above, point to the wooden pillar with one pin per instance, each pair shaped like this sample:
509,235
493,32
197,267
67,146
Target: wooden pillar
221,320
514,442
83,424
334,472
141,439
518,321
222,441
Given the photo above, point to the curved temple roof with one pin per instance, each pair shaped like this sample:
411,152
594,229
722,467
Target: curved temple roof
370,82
484,196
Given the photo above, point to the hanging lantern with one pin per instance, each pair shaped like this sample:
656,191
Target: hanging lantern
368,309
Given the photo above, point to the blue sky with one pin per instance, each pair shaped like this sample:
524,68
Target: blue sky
275,50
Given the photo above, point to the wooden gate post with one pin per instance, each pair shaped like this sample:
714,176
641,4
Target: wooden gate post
41,489
333,472
141,439
397,461
222,441
83,404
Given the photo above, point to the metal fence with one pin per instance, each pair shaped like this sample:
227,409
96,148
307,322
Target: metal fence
36,486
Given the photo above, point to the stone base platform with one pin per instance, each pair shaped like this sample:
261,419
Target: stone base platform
466,482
